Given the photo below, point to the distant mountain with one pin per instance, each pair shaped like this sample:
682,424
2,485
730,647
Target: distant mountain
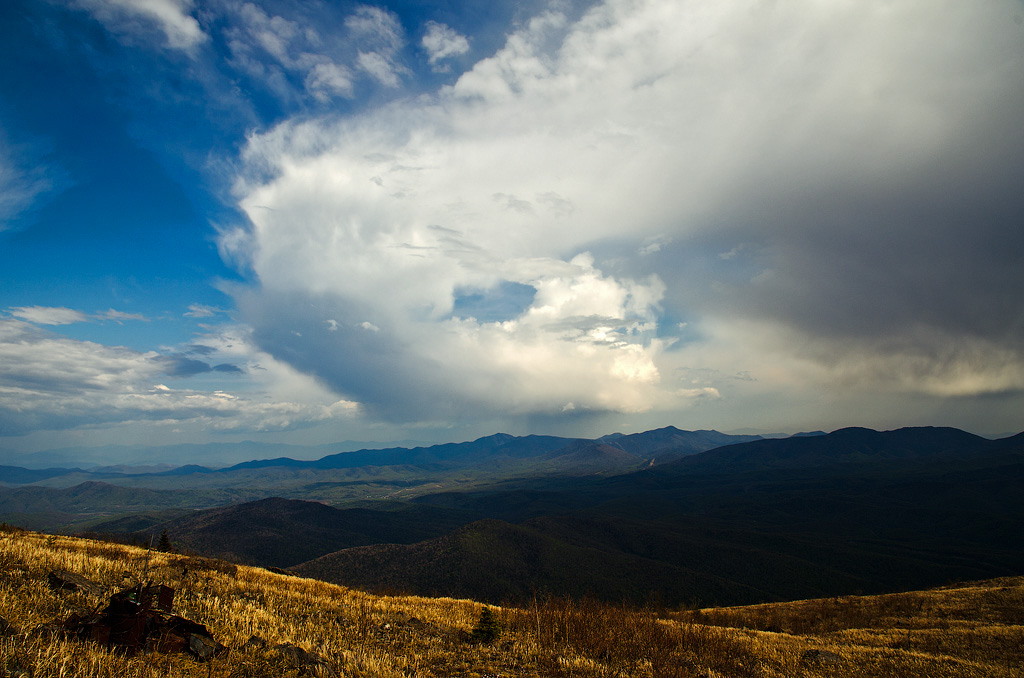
844,446
207,454
186,470
15,475
811,516
496,454
129,469
672,442
509,451
486,450
748,469
596,457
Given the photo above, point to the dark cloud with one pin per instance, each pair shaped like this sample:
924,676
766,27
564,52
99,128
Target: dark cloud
181,366
199,349
939,252
374,368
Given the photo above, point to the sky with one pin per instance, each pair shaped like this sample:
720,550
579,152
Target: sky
226,220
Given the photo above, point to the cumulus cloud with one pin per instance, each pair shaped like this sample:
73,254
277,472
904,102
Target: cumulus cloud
48,382
134,17
854,163
443,42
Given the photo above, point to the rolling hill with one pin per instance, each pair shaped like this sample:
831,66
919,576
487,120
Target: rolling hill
855,510
278,532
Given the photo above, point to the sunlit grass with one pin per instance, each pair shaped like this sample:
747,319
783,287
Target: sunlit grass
964,631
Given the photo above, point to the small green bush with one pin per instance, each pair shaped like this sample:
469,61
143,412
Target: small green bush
165,543
488,628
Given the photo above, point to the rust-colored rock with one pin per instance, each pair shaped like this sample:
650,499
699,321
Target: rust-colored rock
140,618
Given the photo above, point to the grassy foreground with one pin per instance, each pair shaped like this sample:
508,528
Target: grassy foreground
311,628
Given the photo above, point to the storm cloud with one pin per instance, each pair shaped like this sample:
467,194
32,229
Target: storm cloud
710,201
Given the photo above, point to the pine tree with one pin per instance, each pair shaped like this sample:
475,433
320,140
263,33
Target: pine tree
488,628
165,543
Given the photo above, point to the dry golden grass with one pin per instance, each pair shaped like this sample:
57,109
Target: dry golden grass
973,630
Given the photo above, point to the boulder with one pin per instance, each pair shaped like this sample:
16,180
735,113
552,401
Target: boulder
62,580
140,618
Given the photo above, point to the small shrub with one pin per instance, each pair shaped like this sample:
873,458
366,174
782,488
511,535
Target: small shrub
164,544
488,629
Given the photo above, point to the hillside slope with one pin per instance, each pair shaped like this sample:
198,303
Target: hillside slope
284,532
288,627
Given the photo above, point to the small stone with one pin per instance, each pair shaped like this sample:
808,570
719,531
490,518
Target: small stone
203,647
254,642
301,659
62,580
821,658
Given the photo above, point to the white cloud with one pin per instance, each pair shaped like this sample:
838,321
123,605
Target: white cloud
48,315
813,139
326,79
201,311
48,382
60,315
377,26
118,316
380,36
172,17
20,184
313,47
443,42
380,67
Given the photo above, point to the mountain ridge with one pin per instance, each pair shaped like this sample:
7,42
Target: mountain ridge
823,515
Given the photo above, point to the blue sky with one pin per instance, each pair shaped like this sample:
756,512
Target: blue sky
304,222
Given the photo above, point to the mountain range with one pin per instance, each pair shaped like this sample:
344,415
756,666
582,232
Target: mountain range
681,516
